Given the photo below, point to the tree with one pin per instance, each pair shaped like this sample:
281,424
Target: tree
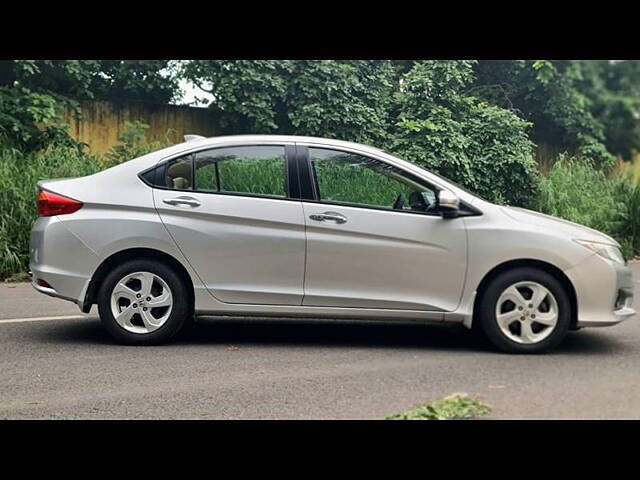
550,95
145,80
29,112
415,109
481,146
614,90
142,80
33,93
347,100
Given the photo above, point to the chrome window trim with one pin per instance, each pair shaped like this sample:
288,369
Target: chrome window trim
473,211
201,148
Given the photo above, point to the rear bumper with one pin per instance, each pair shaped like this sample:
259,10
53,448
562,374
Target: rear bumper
59,258
604,291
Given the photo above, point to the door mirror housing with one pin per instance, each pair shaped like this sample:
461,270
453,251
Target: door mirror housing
448,204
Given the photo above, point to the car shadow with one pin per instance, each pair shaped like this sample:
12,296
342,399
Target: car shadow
269,332
328,333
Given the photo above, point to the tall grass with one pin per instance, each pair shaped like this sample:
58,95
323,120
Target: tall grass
575,190
571,189
19,174
353,183
630,192
629,170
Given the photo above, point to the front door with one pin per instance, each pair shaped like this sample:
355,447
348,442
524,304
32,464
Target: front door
375,240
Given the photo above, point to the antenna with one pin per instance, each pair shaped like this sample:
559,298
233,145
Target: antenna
191,138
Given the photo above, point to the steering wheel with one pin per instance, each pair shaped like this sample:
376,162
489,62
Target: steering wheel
399,203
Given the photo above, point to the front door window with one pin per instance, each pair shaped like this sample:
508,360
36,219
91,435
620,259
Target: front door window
352,179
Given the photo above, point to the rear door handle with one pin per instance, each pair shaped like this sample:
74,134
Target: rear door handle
336,217
188,201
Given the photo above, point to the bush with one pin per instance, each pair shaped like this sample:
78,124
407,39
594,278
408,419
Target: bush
483,147
134,143
576,191
19,174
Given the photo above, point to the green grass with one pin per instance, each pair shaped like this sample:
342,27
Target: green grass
353,183
19,174
259,176
456,406
578,192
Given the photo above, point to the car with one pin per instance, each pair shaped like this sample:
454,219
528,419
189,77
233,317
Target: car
292,226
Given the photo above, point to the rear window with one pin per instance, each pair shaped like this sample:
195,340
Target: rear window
179,173
251,170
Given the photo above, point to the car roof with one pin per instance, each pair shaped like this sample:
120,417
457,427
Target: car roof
194,144
282,138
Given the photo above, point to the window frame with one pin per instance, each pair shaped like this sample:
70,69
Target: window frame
291,177
310,188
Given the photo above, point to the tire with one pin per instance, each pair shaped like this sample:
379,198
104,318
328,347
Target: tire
529,329
149,318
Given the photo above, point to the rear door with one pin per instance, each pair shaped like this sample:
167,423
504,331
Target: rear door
234,214
375,239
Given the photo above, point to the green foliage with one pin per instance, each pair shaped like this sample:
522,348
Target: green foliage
560,98
575,190
33,93
134,143
260,176
340,99
418,110
629,231
142,80
19,174
30,120
481,146
353,183
343,100
456,406
32,97
470,121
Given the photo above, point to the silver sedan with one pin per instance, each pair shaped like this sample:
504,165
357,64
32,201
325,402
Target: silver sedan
300,226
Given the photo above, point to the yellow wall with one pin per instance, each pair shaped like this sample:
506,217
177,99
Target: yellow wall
102,122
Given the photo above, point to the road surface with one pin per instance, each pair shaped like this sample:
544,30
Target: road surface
57,363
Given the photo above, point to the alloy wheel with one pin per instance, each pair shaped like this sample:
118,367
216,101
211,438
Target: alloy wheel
141,302
527,312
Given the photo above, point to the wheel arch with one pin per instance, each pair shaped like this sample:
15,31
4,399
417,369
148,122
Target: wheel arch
531,263
132,254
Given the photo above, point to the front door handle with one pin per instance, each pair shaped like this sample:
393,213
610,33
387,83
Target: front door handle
336,217
188,201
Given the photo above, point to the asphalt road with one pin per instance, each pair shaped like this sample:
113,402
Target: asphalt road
257,368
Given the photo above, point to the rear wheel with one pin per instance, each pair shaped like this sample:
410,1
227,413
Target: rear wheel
143,302
525,310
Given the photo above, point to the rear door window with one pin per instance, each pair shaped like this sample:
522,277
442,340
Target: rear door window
252,170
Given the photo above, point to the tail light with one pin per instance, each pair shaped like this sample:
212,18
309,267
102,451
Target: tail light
49,204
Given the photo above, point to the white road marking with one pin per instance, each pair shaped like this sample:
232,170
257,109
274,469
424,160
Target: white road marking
39,319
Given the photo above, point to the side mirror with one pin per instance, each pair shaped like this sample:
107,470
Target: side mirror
448,204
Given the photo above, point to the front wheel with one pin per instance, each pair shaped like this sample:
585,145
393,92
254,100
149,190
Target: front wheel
143,302
525,310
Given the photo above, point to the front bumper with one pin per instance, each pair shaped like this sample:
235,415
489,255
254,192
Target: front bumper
604,291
